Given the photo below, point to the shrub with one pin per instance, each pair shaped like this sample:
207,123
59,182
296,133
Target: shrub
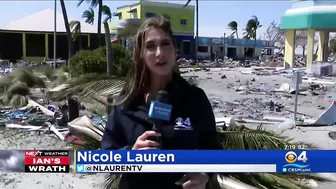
64,68
27,76
18,89
86,61
121,58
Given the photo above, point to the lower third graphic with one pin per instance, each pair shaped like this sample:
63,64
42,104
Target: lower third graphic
296,163
80,168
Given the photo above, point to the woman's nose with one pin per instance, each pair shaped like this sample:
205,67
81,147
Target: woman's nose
159,52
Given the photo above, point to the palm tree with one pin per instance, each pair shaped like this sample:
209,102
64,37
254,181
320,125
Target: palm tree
67,28
233,25
109,56
251,31
196,38
89,16
94,4
76,32
106,11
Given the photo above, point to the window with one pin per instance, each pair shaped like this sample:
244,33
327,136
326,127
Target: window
203,49
150,14
186,47
183,21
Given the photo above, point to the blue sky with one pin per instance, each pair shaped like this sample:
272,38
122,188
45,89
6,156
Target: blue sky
214,16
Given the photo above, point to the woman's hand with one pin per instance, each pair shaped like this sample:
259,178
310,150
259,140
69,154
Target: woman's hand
142,142
194,181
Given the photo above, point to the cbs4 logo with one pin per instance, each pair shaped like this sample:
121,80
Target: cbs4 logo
292,157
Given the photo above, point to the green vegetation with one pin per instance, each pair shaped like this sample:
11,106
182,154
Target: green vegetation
86,61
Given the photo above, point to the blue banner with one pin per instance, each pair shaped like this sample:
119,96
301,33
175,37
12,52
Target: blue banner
285,161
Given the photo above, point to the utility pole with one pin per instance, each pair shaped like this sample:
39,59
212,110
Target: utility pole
224,46
55,31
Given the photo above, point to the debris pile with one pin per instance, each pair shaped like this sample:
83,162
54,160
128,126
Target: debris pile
54,119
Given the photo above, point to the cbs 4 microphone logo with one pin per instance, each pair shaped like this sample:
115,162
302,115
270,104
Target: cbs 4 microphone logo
296,162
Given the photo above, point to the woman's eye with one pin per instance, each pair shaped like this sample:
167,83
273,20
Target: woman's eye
165,44
150,46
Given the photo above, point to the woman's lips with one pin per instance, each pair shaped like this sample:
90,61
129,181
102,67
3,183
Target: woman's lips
161,63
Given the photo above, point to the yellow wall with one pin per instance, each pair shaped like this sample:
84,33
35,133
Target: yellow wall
126,15
175,13
289,48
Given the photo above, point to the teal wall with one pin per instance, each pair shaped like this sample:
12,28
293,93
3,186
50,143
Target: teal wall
317,20
315,16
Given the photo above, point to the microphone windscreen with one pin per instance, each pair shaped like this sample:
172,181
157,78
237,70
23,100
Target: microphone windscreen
162,96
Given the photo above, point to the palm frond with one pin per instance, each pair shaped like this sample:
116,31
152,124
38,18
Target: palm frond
5,83
6,80
128,29
27,76
18,89
59,78
90,85
46,70
111,181
91,144
4,99
75,26
233,25
81,1
89,16
277,181
18,101
93,3
107,12
233,138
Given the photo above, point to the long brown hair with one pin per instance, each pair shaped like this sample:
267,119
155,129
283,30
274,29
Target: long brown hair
138,80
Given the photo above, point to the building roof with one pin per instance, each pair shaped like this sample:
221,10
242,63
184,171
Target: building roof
43,21
159,4
320,17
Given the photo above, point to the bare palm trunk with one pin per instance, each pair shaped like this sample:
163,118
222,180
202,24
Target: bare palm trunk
109,55
80,42
254,44
196,41
254,48
67,28
80,37
237,33
100,12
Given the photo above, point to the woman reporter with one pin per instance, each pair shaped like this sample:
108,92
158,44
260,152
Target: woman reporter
128,126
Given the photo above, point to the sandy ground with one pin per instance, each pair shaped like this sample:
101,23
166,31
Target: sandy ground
216,89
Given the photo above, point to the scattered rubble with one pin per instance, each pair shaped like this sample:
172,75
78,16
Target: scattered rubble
239,93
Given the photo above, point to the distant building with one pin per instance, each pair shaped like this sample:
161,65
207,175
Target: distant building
181,19
208,47
31,37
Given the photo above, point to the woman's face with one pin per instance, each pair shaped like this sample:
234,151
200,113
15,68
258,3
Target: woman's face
159,52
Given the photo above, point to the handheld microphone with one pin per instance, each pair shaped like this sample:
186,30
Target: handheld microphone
159,110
